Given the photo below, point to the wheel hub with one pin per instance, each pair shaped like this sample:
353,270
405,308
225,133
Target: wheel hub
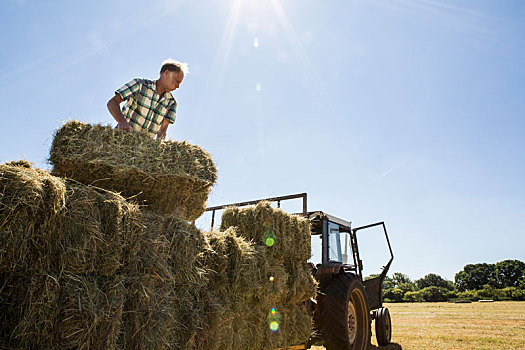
352,323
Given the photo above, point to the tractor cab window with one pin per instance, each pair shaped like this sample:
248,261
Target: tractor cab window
317,249
338,243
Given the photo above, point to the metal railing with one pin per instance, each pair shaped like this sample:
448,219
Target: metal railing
272,199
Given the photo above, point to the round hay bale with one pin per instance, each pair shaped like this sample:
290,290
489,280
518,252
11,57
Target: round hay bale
169,177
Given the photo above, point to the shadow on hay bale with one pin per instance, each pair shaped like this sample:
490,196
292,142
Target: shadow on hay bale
169,177
56,225
45,311
162,309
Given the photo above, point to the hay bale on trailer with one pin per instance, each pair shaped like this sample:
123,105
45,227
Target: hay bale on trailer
81,267
245,286
49,223
169,177
164,282
88,269
47,311
283,239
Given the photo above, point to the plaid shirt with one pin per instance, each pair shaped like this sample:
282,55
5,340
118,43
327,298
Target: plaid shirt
145,108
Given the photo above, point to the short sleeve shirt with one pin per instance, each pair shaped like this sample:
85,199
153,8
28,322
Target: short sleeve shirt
145,109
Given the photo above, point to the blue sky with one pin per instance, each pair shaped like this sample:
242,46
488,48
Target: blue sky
407,111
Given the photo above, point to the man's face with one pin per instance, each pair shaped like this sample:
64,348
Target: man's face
172,80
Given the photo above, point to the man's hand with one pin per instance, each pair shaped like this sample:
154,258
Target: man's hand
161,134
163,130
125,126
114,109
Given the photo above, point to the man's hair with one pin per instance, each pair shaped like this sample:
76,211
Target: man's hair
174,66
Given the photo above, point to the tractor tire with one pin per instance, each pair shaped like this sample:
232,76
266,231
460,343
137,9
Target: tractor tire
383,326
344,319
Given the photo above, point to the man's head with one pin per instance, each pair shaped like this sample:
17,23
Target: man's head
172,73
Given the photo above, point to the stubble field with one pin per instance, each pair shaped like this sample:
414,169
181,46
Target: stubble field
436,326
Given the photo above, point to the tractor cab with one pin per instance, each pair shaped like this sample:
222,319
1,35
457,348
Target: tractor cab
335,249
331,241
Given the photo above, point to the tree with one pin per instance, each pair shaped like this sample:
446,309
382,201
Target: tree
413,296
509,273
388,283
407,287
400,278
394,294
433,280
434,293
475,276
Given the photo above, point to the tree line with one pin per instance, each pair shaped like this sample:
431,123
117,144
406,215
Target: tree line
504,280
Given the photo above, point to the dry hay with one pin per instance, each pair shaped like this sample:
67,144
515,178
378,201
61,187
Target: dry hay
170,177
82,268
91,235
28,198
290,235
51,224
158,314
245,284
162,309
239,326
171,248
284,236
45,311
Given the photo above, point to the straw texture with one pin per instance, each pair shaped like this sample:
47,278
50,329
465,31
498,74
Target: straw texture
169,177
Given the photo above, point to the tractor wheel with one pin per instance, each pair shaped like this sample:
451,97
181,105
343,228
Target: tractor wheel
344,319
383,326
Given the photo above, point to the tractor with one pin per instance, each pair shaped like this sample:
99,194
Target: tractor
346,304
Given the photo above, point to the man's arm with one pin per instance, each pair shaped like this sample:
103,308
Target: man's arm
161,134
114,109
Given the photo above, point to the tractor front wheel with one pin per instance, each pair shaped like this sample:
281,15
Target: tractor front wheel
383,326
343,315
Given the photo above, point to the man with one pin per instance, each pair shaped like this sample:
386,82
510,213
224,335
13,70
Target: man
150,106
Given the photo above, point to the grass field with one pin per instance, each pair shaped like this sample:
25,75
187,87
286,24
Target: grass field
475,326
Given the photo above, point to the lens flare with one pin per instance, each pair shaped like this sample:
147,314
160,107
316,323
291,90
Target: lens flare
269,238
274,320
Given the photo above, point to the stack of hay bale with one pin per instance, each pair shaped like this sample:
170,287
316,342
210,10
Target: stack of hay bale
101,254
259,298
62,247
